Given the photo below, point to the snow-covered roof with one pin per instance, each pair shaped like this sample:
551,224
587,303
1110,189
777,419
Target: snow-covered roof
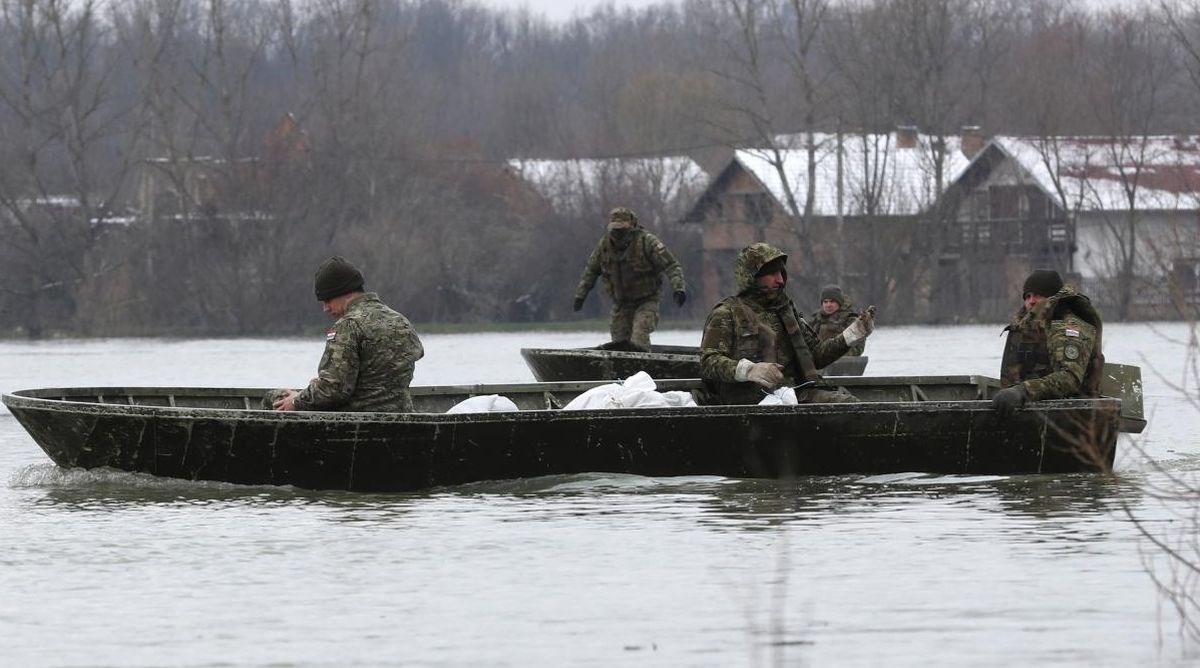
1097,173
562,181
900,181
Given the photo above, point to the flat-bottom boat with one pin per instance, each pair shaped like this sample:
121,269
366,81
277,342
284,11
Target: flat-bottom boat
940,424
614,363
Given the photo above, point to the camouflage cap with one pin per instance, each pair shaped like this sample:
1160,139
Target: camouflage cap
622,214
750,260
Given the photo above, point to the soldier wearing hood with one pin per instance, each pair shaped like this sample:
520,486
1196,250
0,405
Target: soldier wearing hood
756,341
632,262
834,316
1053,347
370,352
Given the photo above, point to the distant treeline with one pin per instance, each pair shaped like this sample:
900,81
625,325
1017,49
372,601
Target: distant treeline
410,108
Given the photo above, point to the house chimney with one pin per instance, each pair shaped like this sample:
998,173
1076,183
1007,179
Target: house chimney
972,140
906,136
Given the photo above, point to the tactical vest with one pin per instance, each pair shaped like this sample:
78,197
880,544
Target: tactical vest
1027,355
758,341
629,272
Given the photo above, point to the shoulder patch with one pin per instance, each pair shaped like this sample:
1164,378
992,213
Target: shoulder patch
331,335
1071,351
1071,331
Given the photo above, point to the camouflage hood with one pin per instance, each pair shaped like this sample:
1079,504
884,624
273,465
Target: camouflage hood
749,260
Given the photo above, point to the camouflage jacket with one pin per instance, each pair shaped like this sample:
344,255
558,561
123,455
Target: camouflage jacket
632,274
743,327
829,326
370,354
1054,348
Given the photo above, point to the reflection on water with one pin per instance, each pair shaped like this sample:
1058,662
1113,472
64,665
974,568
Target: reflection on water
593,569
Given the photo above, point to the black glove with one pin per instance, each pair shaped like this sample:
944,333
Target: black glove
1007,401
578,304
680,297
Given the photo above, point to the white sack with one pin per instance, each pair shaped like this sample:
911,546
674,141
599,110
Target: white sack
485,403
784,396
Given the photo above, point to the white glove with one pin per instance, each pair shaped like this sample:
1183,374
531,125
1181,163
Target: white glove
767,375
860,328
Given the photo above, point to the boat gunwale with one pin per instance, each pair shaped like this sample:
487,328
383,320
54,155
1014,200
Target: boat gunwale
30,399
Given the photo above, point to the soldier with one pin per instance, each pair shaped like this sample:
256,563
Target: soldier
370,352
756,340
631,261
834,316
1053,348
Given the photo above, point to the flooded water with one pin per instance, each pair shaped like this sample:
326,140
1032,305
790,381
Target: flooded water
112,569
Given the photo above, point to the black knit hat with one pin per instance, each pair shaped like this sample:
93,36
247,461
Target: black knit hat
335,277
833,292
1042,282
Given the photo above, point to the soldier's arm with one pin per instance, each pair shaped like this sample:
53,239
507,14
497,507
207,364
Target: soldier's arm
1070,342
824,352
590,273
409,345
663,260
337,376
716,347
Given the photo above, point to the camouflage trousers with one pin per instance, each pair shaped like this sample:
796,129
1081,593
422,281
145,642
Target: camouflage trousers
634,322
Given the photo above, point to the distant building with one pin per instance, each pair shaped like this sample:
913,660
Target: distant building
862,198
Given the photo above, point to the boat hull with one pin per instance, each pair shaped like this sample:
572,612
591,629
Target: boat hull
221,439
564,364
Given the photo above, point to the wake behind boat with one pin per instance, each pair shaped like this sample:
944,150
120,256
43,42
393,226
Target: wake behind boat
609,363
938,424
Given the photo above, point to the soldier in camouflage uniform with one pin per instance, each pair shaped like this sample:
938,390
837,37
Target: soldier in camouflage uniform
632,261
834,316
756,341
370,353
1053,348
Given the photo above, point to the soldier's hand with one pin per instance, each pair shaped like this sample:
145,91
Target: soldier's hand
860,328
767,375
578,304
288,402
1007,401
680,297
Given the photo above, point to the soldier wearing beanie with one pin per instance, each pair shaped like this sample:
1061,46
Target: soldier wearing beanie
834,316
370,352
1053,349
632,262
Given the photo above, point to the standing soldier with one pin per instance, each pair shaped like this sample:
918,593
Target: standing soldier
1053,348
632,262
834,316
755,341
370,352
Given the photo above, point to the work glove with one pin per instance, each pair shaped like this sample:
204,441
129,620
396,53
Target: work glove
1007,401
680,297
767,375
860,328
578,304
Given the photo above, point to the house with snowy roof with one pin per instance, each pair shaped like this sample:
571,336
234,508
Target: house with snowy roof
1116,215
848,208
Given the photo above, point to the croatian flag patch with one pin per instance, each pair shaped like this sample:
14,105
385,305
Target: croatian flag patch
332,335
1070,331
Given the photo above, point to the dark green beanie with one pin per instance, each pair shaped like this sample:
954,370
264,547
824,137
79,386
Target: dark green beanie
335,277
1042,282
833,292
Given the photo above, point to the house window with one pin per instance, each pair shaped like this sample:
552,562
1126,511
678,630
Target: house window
756,208
978,205
1184,274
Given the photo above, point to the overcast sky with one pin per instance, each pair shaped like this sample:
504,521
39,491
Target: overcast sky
560,10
